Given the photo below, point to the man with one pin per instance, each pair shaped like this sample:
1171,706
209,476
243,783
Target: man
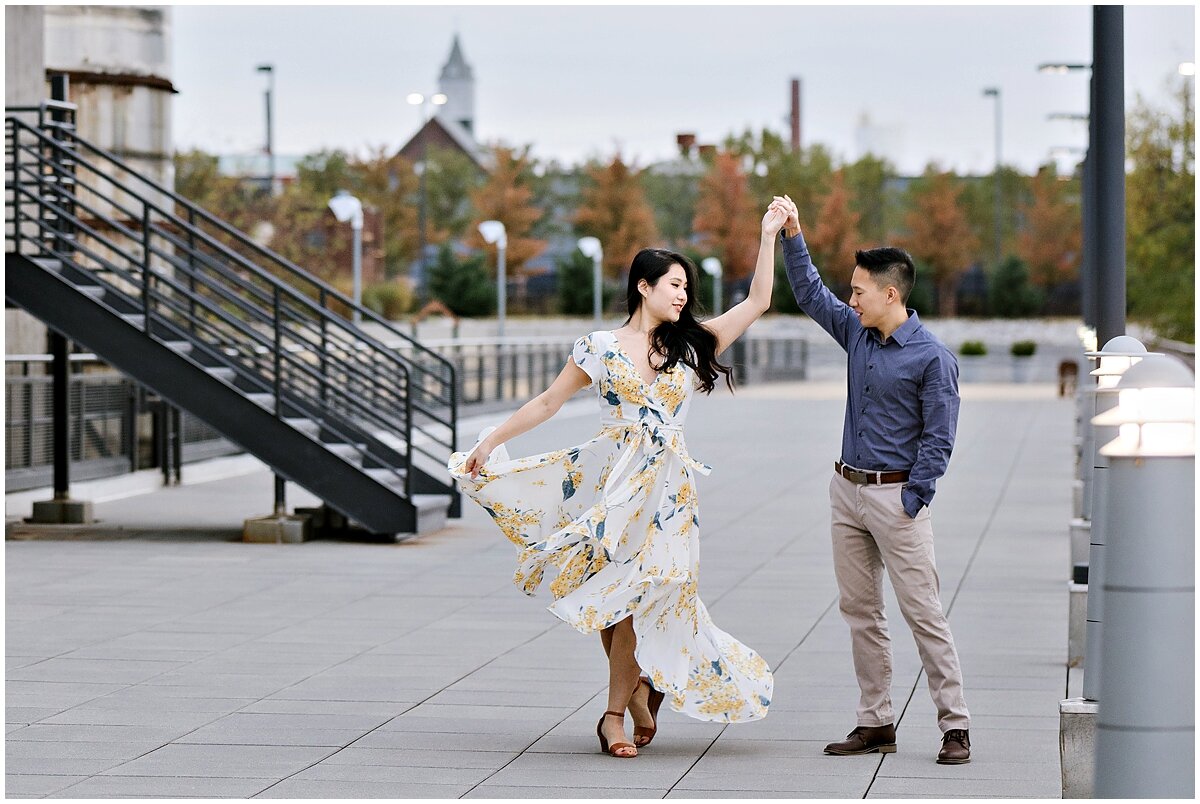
901,414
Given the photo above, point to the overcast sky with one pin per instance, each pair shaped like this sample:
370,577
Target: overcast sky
577,82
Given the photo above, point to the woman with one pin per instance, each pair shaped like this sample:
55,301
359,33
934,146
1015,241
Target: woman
617,516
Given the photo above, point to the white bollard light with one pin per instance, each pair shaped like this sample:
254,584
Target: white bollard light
1146,732
1115,358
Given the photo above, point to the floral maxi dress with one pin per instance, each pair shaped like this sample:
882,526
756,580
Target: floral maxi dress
617,518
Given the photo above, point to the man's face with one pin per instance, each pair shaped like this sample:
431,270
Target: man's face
867,298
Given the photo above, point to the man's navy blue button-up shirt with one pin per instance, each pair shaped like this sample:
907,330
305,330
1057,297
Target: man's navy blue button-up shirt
902,393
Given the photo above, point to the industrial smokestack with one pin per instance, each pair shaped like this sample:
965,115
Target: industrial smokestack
795,115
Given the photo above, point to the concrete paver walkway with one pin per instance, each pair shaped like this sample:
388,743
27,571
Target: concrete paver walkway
191,665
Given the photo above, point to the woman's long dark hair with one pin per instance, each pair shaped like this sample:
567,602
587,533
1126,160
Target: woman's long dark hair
685,340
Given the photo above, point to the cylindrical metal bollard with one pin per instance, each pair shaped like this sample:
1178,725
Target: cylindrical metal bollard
1145,745
1116,357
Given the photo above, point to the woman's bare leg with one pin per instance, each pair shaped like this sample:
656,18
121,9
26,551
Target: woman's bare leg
623,674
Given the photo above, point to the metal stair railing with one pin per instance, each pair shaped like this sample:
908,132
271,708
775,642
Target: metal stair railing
269,352
178,275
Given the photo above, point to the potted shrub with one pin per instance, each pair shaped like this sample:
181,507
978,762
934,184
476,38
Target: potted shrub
1021,352
970,364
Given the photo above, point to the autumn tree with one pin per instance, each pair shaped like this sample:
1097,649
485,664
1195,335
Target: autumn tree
613,208
833,235
450,178
727,219
977,200
939,234
1051,239
507,196
198,179
867,182
672,196
389,185
1160,203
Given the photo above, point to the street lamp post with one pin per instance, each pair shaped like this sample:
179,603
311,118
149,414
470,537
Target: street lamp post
994,92
1108,146
494,232
590,246
421,168
1146,732
269,70
712,267
346,207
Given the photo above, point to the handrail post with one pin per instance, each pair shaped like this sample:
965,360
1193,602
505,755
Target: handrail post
191,271
16,185
146,267
324,353
408,447
278,358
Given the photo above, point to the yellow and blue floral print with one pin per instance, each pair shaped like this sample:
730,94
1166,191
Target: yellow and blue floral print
617,519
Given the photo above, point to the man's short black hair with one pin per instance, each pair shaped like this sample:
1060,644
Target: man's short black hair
889,266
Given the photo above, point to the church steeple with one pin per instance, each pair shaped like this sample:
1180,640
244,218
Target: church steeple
457,82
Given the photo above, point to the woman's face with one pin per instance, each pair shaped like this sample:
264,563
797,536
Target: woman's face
665,300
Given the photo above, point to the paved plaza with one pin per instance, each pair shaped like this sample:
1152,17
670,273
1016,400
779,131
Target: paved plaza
163,658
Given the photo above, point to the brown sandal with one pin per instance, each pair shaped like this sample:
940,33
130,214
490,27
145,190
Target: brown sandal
611,750
653,702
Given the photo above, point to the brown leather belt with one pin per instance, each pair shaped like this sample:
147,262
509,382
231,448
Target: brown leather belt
864,478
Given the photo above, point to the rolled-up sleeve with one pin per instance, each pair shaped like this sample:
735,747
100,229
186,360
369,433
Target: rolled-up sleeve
939,412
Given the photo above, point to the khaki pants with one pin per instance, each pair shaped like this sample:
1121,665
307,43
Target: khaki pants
872,532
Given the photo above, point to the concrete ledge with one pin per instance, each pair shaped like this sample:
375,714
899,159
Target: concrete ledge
1077,746
277,529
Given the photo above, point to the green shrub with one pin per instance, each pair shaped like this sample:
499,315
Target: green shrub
390,299
972,349
1011,295
1024,348
575,286
465,286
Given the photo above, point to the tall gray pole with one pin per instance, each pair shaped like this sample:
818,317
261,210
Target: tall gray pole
357,225
1087,265
1108,147
997,179
501,285
596,288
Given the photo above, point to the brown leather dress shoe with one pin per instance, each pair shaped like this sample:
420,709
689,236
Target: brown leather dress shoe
866,740
956,748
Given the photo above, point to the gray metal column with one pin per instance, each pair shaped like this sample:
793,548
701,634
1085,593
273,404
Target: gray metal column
1087,265
1108,148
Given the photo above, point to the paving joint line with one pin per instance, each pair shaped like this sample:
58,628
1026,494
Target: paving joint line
987,527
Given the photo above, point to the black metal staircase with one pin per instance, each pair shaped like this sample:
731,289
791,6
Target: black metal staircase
226,329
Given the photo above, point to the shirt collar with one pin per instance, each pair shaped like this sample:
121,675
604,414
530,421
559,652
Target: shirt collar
905,331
